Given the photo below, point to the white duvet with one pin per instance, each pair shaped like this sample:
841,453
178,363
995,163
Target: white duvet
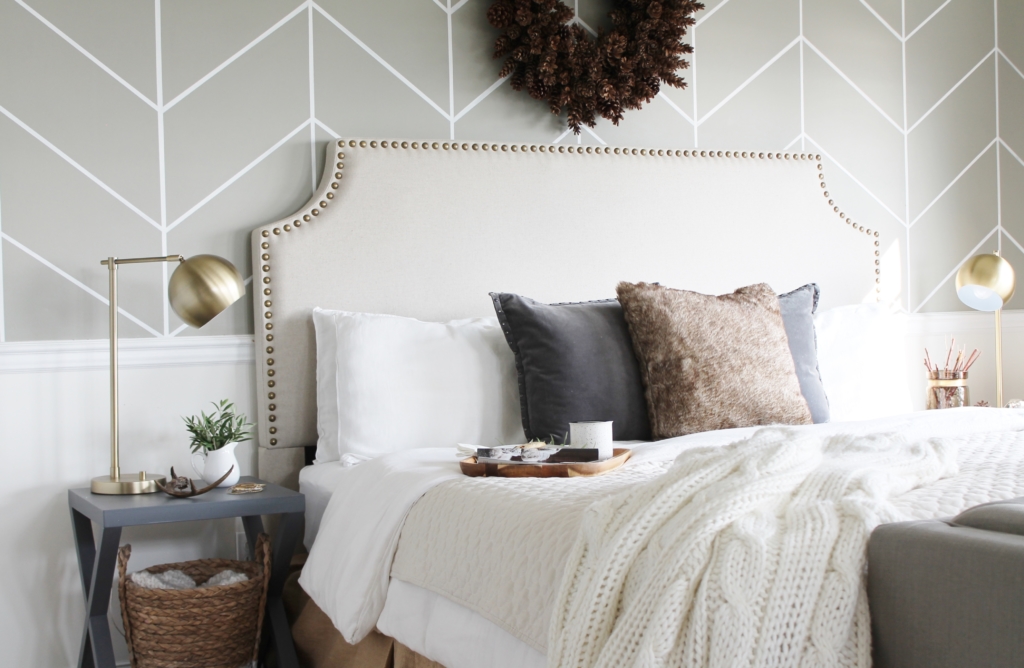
349,567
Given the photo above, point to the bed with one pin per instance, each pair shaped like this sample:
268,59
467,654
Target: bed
426,230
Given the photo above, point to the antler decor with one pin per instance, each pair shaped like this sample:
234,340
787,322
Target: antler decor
183,487
555,59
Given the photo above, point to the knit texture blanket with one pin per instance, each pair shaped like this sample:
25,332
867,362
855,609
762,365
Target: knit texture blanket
745,555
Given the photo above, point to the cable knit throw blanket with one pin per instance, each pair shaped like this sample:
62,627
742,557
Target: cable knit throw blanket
745,555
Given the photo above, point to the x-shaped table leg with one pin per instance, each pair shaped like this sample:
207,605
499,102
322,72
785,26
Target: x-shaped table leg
97,569
283,548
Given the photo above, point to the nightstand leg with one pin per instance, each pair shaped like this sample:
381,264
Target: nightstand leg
284,547
97,571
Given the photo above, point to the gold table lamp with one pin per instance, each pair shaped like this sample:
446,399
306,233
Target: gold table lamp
986,283
199,289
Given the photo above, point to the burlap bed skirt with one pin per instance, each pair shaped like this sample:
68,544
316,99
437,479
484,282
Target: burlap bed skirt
320,645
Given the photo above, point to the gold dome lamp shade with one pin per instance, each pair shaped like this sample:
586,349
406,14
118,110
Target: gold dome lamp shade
987,282
199,289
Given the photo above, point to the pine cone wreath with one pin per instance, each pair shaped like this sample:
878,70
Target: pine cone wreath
557,61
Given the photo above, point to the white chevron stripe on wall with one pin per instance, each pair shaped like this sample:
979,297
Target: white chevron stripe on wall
145,129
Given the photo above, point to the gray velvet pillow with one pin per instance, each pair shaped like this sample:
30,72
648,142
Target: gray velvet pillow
575,362
798,309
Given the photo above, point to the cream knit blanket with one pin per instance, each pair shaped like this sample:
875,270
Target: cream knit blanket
745,555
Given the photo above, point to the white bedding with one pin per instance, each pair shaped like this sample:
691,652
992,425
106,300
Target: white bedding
347,574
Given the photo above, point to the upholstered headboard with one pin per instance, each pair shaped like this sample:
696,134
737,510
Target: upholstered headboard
427,229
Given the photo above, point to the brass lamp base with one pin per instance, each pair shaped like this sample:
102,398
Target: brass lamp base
137,483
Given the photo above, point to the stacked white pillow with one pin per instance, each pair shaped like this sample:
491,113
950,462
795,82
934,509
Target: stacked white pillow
387,383
862,359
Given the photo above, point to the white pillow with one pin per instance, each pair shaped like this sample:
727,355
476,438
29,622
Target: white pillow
387,383
863,362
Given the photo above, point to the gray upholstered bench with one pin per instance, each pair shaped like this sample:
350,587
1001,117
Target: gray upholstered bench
949,592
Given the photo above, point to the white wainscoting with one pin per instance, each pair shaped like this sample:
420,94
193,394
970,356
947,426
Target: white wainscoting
54,434
54,414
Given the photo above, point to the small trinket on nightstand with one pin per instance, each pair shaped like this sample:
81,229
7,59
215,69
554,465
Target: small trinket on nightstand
247,488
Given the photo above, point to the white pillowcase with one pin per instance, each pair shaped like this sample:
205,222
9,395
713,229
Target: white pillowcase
862,357
387,383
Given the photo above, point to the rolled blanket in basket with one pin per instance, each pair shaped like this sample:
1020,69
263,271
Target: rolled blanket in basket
175,579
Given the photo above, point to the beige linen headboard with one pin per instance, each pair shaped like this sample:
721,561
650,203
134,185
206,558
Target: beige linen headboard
427,229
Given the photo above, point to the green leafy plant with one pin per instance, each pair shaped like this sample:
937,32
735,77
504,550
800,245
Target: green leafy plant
214,431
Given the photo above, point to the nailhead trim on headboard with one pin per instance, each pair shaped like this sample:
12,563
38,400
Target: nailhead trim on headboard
272,235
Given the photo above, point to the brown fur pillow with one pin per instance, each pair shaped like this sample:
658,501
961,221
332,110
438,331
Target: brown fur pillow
712,362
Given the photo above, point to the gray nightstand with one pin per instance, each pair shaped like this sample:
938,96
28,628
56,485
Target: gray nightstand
112,513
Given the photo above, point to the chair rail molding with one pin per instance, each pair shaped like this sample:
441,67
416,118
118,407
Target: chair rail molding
48,356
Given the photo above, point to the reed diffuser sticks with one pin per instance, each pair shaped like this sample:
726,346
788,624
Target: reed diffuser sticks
961,363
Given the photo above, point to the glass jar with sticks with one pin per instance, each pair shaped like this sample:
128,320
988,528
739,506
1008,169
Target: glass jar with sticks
947,387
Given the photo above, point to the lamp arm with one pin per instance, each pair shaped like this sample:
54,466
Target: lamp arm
140,260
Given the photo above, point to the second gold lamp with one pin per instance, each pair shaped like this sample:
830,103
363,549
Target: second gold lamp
199,289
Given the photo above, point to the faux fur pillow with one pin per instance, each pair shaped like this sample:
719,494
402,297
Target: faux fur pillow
712,362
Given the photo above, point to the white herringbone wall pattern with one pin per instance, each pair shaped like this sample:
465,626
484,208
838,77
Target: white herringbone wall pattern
144,128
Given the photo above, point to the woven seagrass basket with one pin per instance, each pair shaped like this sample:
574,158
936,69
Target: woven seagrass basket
213,627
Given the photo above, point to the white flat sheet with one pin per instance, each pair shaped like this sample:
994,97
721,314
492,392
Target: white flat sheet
318,483
348,570
450,634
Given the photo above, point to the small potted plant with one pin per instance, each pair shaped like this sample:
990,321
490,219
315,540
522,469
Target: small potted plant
214,438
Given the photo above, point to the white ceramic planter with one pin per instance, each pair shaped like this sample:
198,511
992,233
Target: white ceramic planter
210,466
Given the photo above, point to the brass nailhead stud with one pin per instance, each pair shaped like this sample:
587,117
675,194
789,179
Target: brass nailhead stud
268,314
572,149
265,233
298,223
270,337
373,144
362,144
817,157
264,245
494,147
337,175
315,212
415,144
271,383
272,395
405,144
335,185
329,196
266,291
434,145
445,146
265,256
270,362
322,204
272,418
465,147
514,148
266,267
306,218
633,151
270,372
719,154
273,430
341,144
485,147
270,351
287,228
394,144
267,303
273,441
760,155
269,325
521,148
504,147
277,230
352,143
272,407
266,279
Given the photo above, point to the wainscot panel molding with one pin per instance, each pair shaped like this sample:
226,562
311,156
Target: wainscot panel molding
39,356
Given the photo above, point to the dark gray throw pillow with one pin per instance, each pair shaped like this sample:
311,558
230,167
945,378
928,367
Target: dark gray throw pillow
798,309
575,362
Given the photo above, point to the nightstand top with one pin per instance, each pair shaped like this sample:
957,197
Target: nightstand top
110,510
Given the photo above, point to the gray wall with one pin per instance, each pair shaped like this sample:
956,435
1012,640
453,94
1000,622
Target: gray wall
135,128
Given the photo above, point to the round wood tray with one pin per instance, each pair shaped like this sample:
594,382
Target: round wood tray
473,468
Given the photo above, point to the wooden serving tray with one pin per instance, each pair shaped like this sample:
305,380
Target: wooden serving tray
472,468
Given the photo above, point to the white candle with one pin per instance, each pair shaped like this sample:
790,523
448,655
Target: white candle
597,435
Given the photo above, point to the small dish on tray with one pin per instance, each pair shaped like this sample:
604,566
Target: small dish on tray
471,467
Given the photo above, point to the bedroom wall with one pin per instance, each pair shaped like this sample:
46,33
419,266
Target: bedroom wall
130,127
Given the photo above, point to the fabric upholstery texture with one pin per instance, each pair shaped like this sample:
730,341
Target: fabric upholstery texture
575,362
712,362
946,595
798,307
